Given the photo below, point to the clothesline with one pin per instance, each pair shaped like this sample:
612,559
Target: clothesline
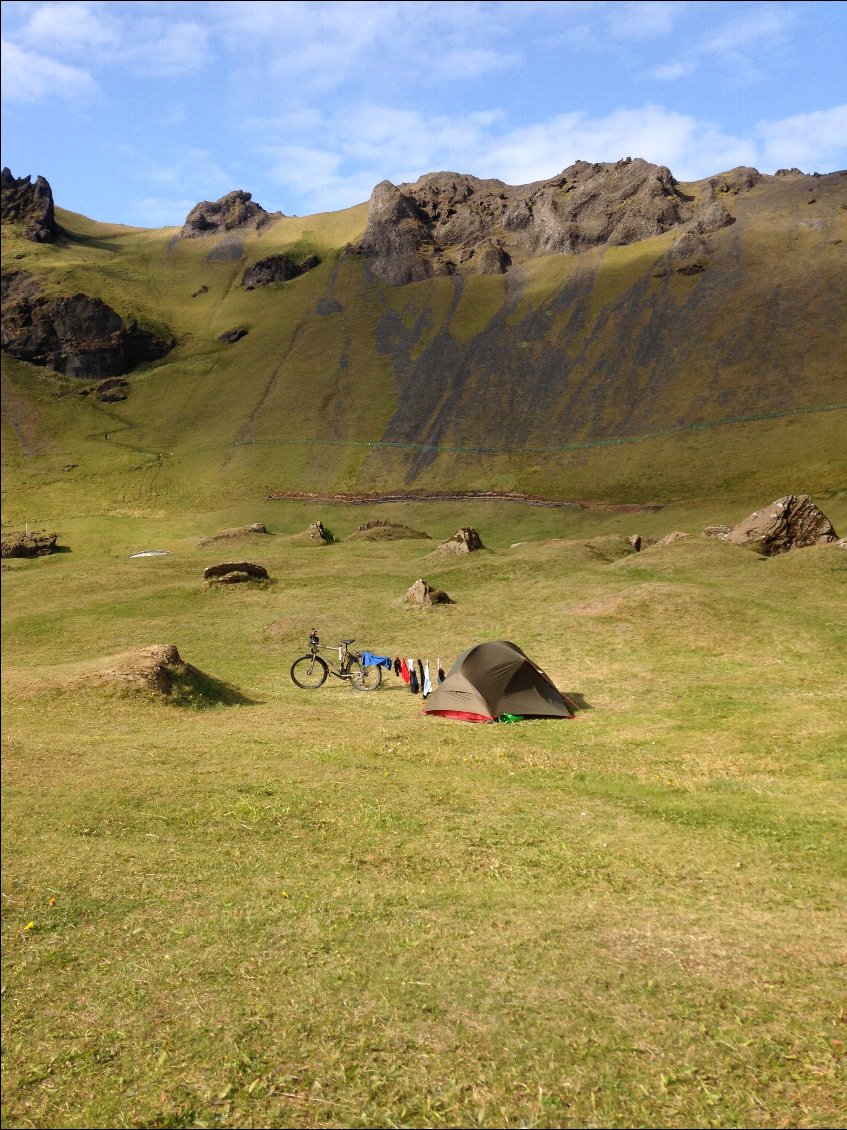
415,673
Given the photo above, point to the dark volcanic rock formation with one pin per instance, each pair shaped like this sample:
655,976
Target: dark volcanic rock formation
416,231
75,334
276,268
31,204
237,211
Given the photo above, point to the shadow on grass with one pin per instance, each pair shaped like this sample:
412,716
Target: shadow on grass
577,701
194,689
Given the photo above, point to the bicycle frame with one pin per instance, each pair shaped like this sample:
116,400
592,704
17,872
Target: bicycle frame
311,670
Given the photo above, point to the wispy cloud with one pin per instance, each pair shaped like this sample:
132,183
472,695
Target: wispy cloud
741,46
29,76
154,42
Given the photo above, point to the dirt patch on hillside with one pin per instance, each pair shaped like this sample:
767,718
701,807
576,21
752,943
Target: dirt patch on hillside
25,420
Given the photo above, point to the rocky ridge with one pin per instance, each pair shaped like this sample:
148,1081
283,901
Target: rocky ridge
447,222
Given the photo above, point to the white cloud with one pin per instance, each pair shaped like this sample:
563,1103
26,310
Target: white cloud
804,140
669,72
68,28
760,25
29,76
642,20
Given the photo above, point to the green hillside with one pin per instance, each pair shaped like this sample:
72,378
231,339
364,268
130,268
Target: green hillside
614,375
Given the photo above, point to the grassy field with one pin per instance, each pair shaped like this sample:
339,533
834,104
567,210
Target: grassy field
259,906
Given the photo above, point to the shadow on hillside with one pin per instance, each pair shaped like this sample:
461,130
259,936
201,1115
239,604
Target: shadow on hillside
67,239
577,701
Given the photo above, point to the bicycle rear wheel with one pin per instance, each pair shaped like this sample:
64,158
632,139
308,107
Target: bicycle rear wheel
309,672
364,678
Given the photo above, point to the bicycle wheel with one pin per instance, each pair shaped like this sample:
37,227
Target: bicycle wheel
364,678
309,672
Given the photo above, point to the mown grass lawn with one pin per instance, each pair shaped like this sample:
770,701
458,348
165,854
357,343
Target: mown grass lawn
323,909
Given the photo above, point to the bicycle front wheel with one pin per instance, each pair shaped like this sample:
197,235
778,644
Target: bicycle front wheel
364,678
309,672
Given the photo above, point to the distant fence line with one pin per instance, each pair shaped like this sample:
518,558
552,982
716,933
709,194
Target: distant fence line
583,445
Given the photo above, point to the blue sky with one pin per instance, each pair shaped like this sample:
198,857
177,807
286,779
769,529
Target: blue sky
136,111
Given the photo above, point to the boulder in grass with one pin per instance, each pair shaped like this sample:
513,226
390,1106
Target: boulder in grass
791,522
421,593
235,572
465,540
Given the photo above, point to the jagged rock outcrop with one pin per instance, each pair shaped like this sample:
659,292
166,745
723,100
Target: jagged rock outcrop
74,334
27,543
791,522
23,201
276,268
447,220
421,593
237,211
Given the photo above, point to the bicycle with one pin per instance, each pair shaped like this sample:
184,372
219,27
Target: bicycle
311,671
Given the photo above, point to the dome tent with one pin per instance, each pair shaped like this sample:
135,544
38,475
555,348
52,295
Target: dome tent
493,679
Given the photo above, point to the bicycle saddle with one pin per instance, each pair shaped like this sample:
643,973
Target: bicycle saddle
346,642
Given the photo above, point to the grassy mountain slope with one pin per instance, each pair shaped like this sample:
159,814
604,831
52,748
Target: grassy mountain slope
600,376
